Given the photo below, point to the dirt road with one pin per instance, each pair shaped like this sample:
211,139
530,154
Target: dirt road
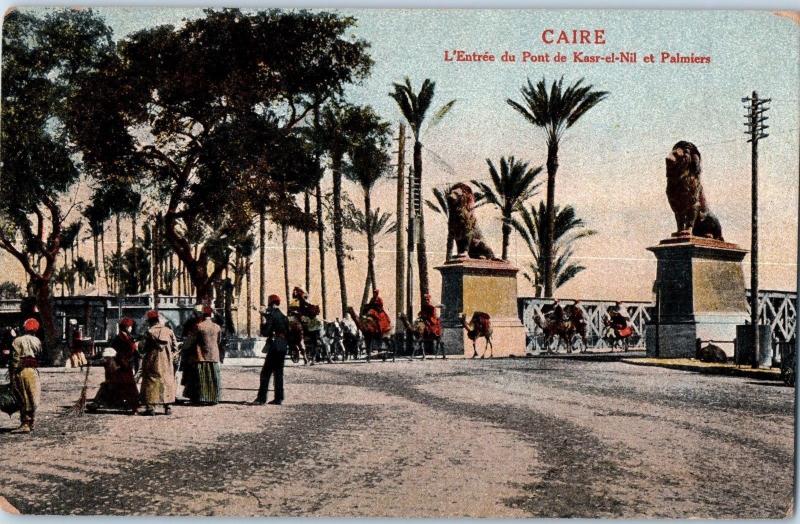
512,437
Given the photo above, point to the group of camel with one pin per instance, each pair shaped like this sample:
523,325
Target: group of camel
479,326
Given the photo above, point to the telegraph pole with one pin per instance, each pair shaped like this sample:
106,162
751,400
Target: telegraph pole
756,131
400,268
412,240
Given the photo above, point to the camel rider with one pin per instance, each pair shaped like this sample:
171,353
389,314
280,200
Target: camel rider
308,314
578,317
375,309
558,311
427,313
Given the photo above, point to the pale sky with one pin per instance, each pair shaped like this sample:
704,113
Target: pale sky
612,161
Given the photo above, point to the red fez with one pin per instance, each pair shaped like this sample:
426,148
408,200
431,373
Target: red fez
274,299
126,322
31,325
151,315
207,311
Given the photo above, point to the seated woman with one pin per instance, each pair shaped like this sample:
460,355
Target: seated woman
119,389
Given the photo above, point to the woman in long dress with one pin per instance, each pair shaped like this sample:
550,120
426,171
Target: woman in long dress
158,373
119,389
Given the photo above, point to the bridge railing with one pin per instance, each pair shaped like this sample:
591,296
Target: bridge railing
593,312
778,309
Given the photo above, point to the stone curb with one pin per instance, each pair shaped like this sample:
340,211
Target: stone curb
707,368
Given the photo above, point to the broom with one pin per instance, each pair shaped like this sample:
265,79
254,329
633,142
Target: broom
80,406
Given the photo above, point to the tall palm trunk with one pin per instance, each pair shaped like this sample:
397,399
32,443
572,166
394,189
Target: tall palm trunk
96,242
285,247
307,238
552,168
338,228
422,253
321,241
370,279
249,290
506,235
134,252
118,276
103,254
262,238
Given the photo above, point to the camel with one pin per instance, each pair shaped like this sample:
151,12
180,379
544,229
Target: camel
368,326
564,331
480,325
420,335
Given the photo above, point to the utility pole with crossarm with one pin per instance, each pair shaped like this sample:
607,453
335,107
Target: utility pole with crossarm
755,130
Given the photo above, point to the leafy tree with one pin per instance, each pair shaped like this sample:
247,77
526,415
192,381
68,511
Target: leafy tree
414,107
531,224
10,290
554,112
43,60
207,115
511,187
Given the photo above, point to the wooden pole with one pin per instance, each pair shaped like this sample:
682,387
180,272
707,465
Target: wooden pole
400,254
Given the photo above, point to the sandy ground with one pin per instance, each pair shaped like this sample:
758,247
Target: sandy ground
503,438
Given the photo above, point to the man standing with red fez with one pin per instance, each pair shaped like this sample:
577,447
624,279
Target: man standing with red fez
158,375
274,327
203,379
24,375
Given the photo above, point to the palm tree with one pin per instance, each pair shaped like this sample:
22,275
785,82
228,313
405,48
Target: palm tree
414,107
342,126
510,189
555,112
376,226
96,215
568,229
369,162
439,205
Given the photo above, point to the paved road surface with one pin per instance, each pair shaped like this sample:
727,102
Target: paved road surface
512,437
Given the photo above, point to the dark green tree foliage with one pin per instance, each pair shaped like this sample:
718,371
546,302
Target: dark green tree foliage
10,290
43,60
207,115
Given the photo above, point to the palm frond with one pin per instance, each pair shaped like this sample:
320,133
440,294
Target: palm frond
440,113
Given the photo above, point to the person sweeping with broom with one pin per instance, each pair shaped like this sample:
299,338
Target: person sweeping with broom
24,375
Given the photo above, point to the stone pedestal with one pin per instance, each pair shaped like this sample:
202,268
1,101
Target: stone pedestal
700,293
490,286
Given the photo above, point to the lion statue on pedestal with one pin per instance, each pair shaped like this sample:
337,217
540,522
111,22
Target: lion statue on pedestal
685,193
462,225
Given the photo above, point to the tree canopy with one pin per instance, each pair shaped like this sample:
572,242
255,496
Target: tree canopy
208,117
44,59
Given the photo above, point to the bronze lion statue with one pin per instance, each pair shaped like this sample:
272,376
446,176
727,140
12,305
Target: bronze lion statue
462,225
685,193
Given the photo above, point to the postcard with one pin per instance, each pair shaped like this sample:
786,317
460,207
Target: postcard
398,262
